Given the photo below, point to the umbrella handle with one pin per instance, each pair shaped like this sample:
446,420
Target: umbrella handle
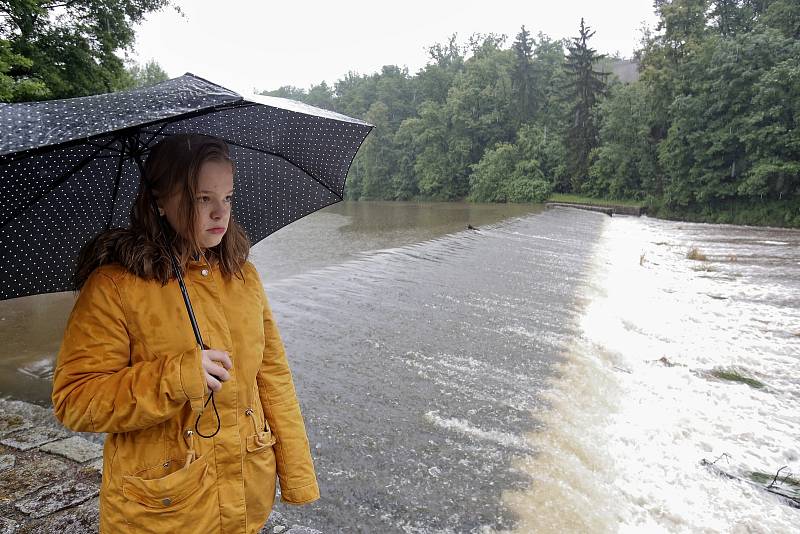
177,271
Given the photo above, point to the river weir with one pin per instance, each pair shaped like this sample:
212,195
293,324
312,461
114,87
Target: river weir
688,354
543,371
420,369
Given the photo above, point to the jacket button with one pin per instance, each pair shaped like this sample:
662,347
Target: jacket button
166,501
204,272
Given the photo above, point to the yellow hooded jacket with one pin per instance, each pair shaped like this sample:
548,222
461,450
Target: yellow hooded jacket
129,365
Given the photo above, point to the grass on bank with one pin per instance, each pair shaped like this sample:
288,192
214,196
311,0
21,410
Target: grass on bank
577,199
696,254
731,375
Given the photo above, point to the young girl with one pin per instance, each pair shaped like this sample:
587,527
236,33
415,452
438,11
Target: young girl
129,364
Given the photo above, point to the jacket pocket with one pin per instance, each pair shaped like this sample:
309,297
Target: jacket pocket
171,492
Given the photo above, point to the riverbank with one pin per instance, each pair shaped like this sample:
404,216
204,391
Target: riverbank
773,213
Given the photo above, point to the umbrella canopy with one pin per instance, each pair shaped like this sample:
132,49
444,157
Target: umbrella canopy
69,169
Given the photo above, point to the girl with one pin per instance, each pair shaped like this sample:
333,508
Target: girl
129,364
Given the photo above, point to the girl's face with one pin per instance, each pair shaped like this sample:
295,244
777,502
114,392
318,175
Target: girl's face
213,206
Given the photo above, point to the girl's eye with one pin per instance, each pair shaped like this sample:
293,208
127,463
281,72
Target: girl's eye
202,199
229,199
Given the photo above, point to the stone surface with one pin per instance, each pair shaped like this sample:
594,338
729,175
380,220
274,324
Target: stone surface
75,448
299,529
29,412
54,497
7,461
8,526
12,422
33,437
96,466
30,474
81,519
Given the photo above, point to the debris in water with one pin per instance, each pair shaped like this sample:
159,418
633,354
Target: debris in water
789,495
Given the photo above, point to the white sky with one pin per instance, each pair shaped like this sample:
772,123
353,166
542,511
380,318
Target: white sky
248,45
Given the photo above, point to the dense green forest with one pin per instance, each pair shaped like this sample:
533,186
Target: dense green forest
708,131
60,49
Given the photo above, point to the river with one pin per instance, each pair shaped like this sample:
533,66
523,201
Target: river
548,371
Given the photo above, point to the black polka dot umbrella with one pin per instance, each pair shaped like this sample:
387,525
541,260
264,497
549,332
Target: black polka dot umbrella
68,168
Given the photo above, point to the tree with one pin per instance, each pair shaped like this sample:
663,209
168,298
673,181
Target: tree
522,76
783,15
626,161
321,96
733,132
287,91
513,172
586,85
149,74
66,49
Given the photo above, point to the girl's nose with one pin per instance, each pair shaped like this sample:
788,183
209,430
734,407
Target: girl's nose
219,210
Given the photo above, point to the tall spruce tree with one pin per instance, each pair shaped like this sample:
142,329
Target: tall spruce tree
585,86
522,79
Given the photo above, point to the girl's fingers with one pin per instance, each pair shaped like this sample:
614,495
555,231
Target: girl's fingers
217,371
212,383
223,358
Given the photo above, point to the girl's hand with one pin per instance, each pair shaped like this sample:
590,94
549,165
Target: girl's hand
215,365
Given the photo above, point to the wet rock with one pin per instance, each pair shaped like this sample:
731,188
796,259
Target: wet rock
74,448
30,474
30,413
52,498
33,437
12,422
276,520
7,461
8,526
82,519
96,466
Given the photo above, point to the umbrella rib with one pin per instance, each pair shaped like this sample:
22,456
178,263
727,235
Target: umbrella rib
308,173
61,179
116,190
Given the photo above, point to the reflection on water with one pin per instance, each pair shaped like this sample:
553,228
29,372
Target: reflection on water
31,327
349,229
30,334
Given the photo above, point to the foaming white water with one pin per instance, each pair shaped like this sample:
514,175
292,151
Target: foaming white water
643,396
465,427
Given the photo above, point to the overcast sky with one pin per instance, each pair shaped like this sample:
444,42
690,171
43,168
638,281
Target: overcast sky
249,45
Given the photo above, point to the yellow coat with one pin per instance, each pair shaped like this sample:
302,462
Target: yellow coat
129,365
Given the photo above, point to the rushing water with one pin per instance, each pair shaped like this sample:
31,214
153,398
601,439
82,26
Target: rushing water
556,371
646,392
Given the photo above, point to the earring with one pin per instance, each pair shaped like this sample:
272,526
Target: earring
161,211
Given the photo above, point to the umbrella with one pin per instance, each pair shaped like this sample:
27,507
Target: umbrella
70,169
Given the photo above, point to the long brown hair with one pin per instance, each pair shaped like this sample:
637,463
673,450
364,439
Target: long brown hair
171,168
